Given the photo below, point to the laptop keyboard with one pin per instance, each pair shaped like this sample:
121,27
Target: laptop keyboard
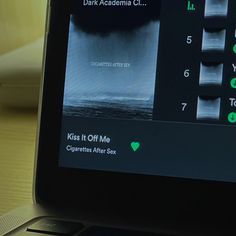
51,227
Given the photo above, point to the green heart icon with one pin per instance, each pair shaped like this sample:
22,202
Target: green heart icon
135,146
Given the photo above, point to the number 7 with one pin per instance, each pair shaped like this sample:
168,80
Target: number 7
184,106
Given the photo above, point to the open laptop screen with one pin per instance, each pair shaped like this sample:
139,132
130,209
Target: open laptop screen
150,89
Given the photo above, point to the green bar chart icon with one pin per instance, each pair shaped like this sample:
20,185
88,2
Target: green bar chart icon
191,6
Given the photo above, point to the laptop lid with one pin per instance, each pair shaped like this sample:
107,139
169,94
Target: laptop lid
138,107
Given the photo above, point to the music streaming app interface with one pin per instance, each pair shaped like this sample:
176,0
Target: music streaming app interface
135,69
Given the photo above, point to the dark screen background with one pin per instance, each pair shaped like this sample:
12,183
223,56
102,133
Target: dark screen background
139,106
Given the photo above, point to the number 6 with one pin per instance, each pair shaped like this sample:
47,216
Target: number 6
187,73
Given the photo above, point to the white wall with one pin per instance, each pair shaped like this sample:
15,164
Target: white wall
21,22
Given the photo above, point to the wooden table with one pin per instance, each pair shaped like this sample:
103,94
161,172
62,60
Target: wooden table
17,144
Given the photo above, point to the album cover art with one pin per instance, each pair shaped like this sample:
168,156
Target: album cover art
111,73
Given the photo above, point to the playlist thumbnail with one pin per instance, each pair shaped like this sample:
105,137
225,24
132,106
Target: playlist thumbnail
111,73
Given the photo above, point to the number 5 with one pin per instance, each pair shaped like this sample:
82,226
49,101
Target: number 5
189,39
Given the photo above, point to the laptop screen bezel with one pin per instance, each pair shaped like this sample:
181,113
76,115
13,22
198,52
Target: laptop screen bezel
129,194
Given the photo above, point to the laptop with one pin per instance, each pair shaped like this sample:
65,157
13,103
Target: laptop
137,121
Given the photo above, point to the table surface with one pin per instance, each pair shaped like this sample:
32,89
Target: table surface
17,145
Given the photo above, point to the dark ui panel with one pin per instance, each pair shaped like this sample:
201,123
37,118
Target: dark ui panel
196,79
